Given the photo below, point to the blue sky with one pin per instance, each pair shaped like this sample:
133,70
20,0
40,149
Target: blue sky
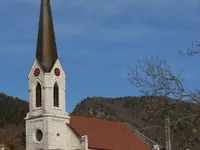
97,40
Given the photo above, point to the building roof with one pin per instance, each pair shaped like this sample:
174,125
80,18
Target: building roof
46,53
107,135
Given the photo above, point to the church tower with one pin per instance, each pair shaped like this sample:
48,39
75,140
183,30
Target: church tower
47,118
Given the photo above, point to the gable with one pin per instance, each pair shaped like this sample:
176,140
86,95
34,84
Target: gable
73,139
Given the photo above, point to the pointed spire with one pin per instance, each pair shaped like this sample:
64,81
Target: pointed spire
46,45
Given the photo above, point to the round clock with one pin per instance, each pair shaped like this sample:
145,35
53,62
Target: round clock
57,72
39,135
36,72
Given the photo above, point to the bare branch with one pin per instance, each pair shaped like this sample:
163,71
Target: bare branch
154,77
193,51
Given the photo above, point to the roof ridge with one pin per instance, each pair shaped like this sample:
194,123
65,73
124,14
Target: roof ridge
143,137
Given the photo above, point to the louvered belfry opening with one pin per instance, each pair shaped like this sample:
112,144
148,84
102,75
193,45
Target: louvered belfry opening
56,95
38,95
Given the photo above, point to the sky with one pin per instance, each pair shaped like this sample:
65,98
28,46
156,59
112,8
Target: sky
97,40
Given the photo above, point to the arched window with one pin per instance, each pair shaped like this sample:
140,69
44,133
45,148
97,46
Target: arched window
38,95
56,95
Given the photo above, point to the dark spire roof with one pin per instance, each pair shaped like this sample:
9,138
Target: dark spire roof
46,45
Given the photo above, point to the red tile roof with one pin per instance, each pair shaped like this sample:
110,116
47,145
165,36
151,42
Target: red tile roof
107,134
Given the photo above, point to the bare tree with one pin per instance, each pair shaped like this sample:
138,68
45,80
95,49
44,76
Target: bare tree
193,51
155,77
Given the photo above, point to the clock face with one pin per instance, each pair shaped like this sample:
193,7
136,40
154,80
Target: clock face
39,135
36,72
57,72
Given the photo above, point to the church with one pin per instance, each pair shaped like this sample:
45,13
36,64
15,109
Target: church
48,125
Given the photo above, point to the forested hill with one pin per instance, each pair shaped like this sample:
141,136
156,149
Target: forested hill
144,112
134,110
12,114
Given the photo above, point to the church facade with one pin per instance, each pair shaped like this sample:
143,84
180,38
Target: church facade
48,125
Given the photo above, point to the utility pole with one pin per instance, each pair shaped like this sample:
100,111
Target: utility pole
168,134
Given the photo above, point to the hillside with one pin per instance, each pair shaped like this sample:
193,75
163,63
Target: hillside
12,114
134,110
